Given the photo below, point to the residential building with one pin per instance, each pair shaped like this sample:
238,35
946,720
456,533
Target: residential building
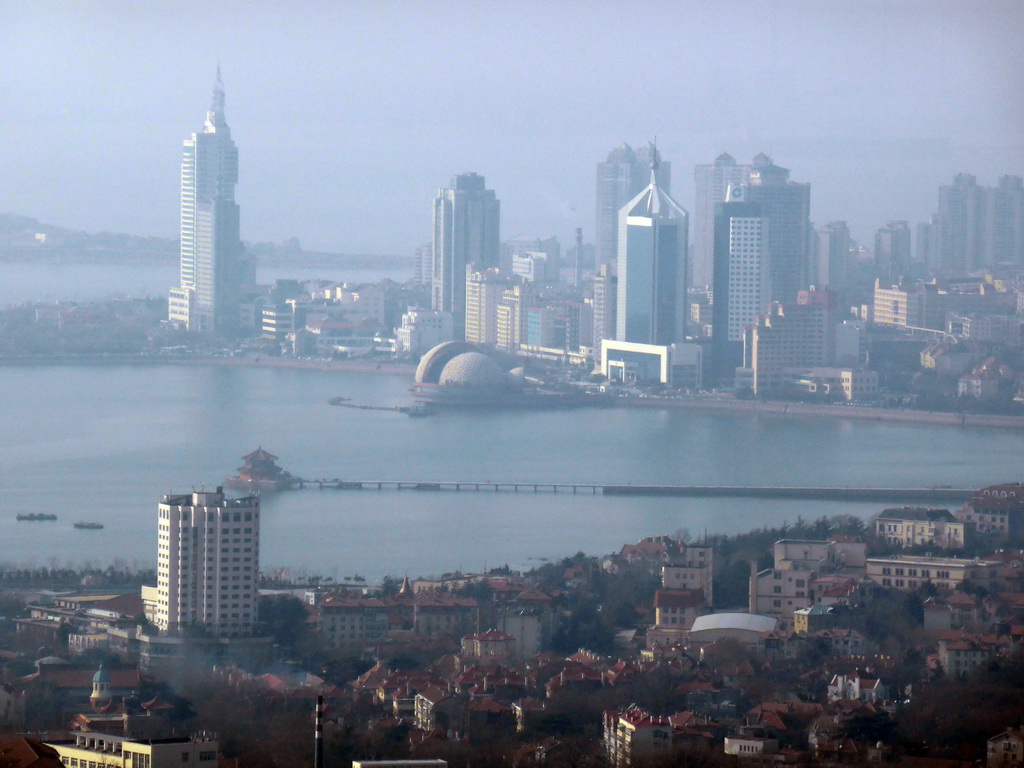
605,301
492,644
1006,749
423,264
980,226
692,567
813,618
790,584
925,305
961,213
908,572
544,252
741,277
213,269
926,244
653,233
619,179
207,565
511,316
997,510
713,181
918,526
833,256
466,231
634,736
789,336
421,331
961,651
892,252
483,294
675,610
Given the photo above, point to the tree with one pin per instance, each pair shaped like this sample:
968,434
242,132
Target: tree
285,619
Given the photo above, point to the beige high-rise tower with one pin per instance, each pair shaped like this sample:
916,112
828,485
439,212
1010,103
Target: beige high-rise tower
208,564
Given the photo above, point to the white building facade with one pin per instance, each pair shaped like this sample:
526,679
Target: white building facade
207,564
212,267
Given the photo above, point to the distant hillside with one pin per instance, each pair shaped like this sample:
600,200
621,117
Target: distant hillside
23,238
26,239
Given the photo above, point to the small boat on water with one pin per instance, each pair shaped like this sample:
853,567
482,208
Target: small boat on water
420,409
88,526
37,516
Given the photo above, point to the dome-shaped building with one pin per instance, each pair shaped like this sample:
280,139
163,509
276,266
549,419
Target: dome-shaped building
473,369
434,361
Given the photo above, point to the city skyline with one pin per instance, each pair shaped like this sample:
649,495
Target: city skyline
934,105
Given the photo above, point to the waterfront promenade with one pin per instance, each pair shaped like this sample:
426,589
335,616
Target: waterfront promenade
719,403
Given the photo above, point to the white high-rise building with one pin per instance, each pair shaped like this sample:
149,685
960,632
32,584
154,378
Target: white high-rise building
208,564
741,277
748,273
212,269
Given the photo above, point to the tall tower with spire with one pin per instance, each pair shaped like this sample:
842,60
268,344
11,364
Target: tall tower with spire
213,268
652,255
619,179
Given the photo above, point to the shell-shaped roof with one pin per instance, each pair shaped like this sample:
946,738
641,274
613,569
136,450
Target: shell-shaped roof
472,369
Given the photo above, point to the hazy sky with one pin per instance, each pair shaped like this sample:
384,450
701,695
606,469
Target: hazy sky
350,115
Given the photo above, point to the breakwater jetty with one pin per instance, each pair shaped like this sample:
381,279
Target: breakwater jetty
897,495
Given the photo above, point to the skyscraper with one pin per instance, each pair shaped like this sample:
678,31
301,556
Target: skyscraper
213,269
653,232
742,274
619,179
712,182
208,564
466,231
787,205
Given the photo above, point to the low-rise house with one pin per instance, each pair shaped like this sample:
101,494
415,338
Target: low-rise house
492,644
844,642
489,720
859,685
960,652
813,619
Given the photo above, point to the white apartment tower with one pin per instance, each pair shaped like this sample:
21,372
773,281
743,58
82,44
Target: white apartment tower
208,564
212,267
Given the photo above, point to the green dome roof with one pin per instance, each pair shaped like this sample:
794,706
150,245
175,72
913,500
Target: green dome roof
101,676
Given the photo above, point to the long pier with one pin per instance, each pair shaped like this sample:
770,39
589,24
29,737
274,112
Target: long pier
692,491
